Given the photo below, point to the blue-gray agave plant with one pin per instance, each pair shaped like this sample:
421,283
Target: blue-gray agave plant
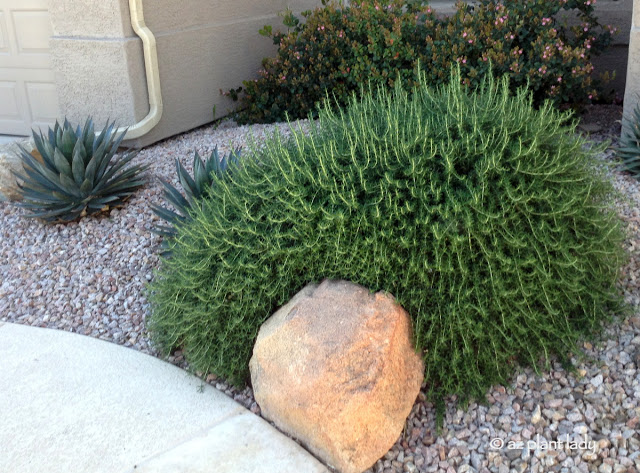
195,188
77,175
629,149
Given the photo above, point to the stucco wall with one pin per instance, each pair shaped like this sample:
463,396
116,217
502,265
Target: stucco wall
211,45
203,46
98,63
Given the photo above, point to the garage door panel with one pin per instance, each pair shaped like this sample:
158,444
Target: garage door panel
4,40
9,100
28,97
43,101
12,113
32,31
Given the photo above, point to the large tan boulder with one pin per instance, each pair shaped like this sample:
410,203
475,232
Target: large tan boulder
335,368
10,161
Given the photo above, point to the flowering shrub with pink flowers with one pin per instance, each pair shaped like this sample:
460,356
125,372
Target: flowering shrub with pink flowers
339,49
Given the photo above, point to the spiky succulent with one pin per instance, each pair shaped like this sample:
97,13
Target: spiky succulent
195,188
76,175
629,149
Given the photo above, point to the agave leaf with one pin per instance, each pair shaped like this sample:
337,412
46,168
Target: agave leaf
30,194
96,207
166,214
52,214
86,186
62,165
42,174
32,178
127,175
88,136
120,186
105,200
90,170
47,157
118,140
26,155
118,165
163,231
103,160
101,138
187,183
175,197
201,177
77,165
214,158
58,142
68,140
52,135
44,150
70,185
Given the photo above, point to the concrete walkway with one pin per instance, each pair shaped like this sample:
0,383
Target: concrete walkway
70,403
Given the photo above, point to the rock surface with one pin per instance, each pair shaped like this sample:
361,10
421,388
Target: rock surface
335,368
10,161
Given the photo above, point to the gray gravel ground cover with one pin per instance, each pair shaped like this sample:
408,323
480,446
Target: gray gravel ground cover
88,277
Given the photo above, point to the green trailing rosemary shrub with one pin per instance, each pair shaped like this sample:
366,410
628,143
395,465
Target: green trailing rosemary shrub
487,219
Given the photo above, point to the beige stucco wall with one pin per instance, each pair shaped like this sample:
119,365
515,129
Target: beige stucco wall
98,61
212,45
632,92
203,46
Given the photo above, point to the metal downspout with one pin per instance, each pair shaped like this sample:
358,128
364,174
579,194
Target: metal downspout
153,77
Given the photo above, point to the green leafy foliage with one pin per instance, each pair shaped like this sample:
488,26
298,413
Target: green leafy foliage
487,219
629,149
338,48
77,175
195,189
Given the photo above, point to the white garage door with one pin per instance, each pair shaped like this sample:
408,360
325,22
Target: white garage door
28,97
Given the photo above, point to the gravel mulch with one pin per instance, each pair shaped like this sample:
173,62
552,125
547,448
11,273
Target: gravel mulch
88,277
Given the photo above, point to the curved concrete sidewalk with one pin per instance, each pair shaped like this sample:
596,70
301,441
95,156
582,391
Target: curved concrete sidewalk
70,403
